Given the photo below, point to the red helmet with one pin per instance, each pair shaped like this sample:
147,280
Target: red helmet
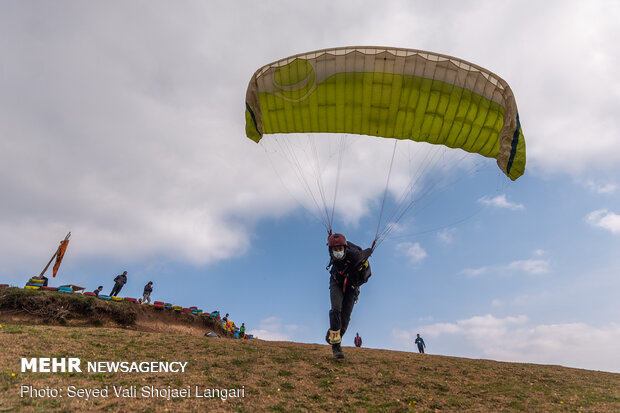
335,240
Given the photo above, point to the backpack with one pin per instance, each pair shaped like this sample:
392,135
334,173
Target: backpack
363,272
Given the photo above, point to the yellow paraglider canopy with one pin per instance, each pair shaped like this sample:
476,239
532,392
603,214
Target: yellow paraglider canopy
390,93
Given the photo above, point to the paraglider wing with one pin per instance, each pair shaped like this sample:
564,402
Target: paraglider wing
390,93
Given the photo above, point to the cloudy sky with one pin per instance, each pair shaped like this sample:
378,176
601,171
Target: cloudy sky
123,122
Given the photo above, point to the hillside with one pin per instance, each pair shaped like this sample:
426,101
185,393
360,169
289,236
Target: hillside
281,376
53,308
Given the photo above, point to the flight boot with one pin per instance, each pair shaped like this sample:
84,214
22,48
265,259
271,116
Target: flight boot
337,350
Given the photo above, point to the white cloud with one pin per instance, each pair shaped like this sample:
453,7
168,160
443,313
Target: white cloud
138,147
446,235
531,266
609,188
474,272
500,201
514,339
569,138
273,329
142,156
496,303
605,219
414,252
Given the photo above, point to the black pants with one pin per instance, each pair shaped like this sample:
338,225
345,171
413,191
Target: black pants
420,348
117,289
342,306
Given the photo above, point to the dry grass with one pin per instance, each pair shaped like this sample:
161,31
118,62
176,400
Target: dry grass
288,377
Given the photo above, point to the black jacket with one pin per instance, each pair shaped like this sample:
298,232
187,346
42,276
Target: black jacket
354,267
147,289
120,279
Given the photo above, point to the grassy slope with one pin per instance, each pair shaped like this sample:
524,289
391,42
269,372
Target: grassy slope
281,376
53,308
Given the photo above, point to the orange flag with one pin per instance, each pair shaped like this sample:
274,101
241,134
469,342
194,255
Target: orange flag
60,254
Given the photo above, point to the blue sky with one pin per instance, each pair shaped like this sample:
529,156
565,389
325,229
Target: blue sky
124,124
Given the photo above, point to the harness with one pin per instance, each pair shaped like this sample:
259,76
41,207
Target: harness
345,271
346,278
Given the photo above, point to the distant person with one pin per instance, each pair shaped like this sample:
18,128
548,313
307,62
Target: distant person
98,290
42,277
242,330
119,281
357,340
349,269
420,342
225,319
146,295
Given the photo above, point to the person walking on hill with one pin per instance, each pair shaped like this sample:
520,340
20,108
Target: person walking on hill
119,282
146,295
357,340
420,342
349,269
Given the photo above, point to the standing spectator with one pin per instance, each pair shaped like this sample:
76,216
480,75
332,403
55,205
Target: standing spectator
242,330
119,281
357,340
98,290
420,342
146,295
225,319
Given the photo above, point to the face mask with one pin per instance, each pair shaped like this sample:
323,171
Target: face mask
338,254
